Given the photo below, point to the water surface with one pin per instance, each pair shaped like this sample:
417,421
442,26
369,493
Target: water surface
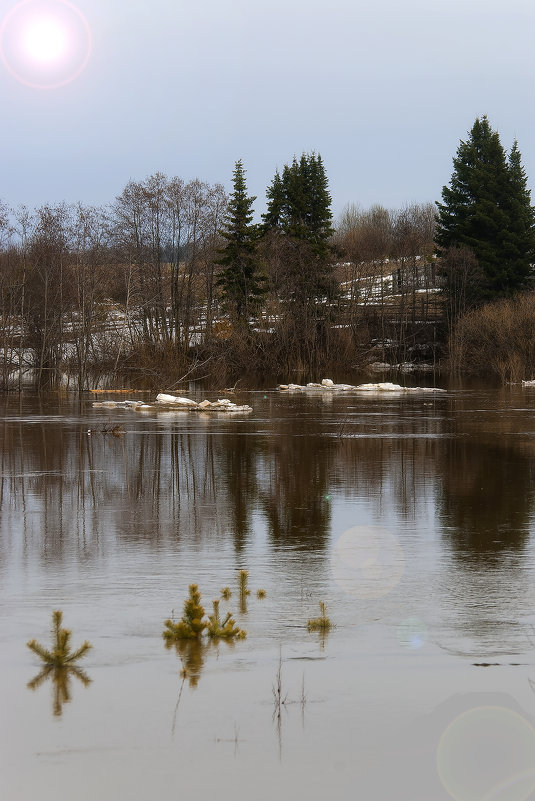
410,516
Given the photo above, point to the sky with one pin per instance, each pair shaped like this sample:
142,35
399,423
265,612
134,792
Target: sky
383,90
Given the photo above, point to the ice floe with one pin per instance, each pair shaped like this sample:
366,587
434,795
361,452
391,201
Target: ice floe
328,385
164,401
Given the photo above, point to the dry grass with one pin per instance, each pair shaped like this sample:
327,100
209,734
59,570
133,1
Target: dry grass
321,623
497,339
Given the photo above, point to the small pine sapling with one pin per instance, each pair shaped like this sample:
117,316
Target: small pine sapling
225,628
59,663
226,593
244,591
192,625
244,577
260,594
61,654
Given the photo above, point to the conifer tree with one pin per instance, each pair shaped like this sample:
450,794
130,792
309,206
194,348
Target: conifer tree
299,203
520,240
299,213
61,654
487,209
240,280
276,199
192,624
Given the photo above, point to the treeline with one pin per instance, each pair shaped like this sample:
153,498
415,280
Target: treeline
175,279
88,290
486,242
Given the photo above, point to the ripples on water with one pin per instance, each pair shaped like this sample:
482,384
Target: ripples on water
410,516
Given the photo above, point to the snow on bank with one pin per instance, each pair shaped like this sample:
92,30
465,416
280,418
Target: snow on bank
328,385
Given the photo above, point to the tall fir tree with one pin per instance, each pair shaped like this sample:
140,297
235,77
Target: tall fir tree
299,203
295,246
487,209
240,281
299,213
520,240
276,199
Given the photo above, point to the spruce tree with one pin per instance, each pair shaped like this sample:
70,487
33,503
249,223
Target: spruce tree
487,209
519,242
276,200
319,205
299,212
299,203
240,281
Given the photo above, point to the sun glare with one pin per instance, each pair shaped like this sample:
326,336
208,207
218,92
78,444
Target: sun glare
45,39
45,43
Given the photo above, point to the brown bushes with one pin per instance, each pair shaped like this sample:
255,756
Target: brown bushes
497,339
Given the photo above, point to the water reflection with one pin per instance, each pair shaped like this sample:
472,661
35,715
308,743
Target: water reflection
70,489
192,655
295,494
459,465
118,527
153,485
60,677
486,498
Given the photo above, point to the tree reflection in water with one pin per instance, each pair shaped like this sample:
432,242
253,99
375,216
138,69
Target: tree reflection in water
485,500
192,654
60,677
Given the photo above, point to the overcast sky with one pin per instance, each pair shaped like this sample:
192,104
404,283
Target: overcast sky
383,89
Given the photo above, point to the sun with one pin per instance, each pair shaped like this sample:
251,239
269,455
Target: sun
45,39
45,44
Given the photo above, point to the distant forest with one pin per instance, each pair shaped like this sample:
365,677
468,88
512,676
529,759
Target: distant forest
174,281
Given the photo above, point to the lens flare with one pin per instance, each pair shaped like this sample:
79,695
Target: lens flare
412,633
45,39
488,753
45,44
367,561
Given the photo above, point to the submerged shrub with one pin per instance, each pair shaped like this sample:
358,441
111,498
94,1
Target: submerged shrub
321,623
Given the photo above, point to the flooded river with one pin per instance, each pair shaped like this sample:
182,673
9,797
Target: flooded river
411,516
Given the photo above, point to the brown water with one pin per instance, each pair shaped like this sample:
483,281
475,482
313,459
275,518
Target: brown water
410,516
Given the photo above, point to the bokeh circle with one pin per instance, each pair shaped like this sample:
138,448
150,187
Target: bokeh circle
488,754
412,633
367,561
